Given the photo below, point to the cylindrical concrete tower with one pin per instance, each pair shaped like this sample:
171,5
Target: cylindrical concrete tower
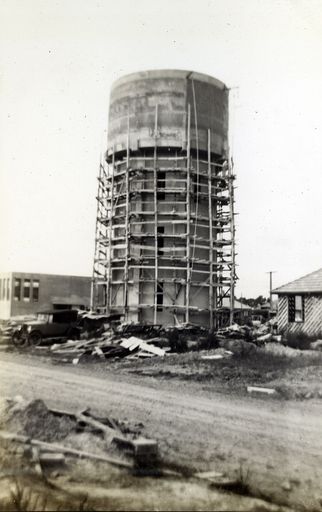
164,246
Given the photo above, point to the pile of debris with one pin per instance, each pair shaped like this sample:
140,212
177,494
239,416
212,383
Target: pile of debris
259,335
101,337
117,342
108,346
37,429
142,342
86,444
34,419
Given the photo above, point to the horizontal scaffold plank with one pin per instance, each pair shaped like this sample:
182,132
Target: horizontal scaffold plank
166,306
152,235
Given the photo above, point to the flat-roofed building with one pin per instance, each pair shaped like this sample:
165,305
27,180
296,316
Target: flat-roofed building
24,293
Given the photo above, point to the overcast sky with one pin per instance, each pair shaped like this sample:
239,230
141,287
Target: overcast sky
58,60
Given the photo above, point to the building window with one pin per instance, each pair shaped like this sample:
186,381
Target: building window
8,289
299,308
17,289
26,290
35,291
296,308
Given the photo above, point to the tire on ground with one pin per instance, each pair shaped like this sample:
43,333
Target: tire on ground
35,338
18,341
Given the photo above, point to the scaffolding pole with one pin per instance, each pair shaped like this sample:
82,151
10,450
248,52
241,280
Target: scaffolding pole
156,270
109,269
188,185
211,241
127,206
127,244
232,234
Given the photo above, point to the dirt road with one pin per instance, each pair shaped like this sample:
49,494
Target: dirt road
278,442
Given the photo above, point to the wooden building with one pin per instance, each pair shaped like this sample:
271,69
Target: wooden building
300,305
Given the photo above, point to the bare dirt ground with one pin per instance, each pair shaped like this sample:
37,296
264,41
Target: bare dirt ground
276,442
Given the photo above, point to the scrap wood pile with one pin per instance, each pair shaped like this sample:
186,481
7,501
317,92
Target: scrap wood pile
131,341
109,346
142,342
257,334
46,437
39,440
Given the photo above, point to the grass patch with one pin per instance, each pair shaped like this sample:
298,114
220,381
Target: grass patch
260,366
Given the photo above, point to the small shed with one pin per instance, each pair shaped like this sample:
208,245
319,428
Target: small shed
300,305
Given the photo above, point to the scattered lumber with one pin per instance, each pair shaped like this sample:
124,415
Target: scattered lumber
106,347
206,475
110,434
133,342
35,453
257,389
52,447
219,480
144,451
79,453
49,458
213,357
8,436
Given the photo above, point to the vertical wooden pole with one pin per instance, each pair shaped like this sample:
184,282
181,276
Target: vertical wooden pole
232,223
211,241
188,211
96,251
156,270
109,269
232,235
127,209
271,272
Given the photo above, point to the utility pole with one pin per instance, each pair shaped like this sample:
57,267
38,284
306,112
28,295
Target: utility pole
271,272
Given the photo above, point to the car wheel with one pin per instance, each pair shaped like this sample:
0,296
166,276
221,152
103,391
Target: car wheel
35,338
18,341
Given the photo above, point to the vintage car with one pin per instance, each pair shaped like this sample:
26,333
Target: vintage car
62,324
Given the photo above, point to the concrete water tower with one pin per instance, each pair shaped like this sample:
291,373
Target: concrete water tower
164,244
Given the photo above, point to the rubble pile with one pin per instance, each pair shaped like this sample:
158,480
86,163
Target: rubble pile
106,347
34,419
157,341
122,341
41,430
259,335
103,337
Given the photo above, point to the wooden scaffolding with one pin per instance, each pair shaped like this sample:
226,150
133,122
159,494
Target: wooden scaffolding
165,234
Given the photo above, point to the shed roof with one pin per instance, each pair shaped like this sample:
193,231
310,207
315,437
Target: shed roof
311,283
